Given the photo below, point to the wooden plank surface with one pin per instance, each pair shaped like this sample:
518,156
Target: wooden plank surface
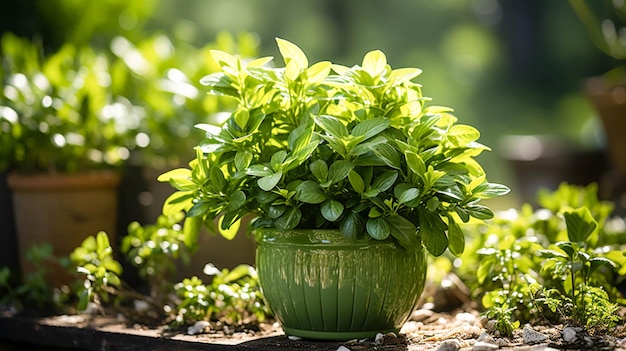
105,333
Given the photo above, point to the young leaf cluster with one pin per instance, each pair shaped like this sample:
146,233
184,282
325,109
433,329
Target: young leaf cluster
32,291
233,297
329,146
153,249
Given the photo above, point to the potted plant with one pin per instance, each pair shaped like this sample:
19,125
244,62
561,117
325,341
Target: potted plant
348,172
65,135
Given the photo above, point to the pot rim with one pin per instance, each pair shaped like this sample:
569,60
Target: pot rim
321,238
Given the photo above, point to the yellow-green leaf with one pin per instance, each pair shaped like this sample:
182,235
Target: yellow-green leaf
318,72
374,63
224,58
291,52
228,233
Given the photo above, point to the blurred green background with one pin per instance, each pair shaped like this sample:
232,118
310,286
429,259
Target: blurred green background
508,67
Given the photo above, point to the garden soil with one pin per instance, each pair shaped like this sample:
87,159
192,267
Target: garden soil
461,329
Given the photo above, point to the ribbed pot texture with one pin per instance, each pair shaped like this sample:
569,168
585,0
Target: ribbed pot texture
321,285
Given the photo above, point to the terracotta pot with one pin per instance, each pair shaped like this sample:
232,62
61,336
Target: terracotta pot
321,285
610,103
62,210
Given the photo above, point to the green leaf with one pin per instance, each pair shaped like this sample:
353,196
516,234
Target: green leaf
85,297
217,178
275,211
268,183
177,202
485,267
259,62
277,159
387,154
597,262
332,125
416,163
112,279
432,204
259,171
289,220
378,228
291,52
112,265
580,224
231,231
385,181
331,210
370,127
223,58
479,212
550,254
432,232
404,74
102,241
408,195
236,199
461,135
456,239
319,168
199,208
569,248
318,72
220,84
339,170
493,190
191,229
356,181
403,231
374,63
243,160
179,178
300,137
310,192
352,226
241,117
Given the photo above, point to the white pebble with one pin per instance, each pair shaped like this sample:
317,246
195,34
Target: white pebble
484,346
421,315
379,339
343,348
197,328
465,317
450,345
569,335
531,336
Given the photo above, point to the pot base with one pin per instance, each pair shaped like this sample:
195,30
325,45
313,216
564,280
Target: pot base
335,335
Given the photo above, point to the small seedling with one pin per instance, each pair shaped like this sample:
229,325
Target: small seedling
573,263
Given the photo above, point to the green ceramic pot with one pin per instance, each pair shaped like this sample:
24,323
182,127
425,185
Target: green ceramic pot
321,285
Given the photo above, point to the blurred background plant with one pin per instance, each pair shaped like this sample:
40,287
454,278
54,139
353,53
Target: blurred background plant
59,112
604,22
508,67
